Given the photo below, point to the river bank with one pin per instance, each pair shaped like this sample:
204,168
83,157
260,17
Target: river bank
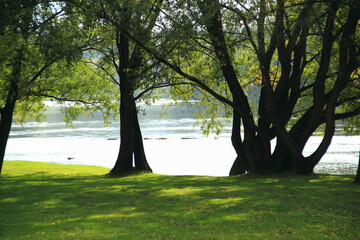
173,156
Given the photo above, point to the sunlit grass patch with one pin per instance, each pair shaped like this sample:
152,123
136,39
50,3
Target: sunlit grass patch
53,201
10,200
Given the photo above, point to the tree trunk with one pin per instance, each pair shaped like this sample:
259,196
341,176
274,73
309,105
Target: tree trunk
357,177
124,162
131,145
240,165
125,156
8,110
5,126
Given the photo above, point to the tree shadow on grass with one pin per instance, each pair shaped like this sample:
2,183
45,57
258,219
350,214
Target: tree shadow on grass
150,206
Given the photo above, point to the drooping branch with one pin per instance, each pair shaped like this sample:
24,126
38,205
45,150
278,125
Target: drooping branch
157,86
103,69
353,113
179,70
86,104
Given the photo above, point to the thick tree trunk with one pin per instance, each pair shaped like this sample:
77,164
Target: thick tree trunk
252,156
5,126
246,159
131,145
124,162
131,153
281,159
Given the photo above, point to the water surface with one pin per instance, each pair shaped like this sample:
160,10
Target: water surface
173,145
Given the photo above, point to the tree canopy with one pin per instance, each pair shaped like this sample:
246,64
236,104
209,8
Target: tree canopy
282,69
299,58
41,58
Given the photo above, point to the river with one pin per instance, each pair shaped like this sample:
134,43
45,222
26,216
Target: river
172,144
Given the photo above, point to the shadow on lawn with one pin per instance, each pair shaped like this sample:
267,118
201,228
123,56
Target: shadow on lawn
149,206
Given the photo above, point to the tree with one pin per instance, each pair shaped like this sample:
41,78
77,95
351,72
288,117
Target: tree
136,73
306,56
40,53
333,67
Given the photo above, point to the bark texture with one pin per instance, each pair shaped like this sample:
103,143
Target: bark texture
278,98
131,154
5,126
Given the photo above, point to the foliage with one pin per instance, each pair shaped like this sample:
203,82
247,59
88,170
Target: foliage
81,203
299,59
51,47
282,69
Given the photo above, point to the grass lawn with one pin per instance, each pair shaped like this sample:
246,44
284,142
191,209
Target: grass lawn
53,201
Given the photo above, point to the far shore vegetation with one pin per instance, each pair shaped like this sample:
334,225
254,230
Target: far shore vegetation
54,201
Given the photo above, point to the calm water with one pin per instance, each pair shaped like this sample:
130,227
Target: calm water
173,145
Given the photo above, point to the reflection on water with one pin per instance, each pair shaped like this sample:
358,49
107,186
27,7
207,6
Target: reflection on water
91,143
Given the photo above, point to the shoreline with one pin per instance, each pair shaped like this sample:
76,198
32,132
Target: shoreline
188,175
170,156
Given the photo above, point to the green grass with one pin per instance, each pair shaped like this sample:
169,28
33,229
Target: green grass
53,201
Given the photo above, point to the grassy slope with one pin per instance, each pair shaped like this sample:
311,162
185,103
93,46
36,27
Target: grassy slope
52,201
